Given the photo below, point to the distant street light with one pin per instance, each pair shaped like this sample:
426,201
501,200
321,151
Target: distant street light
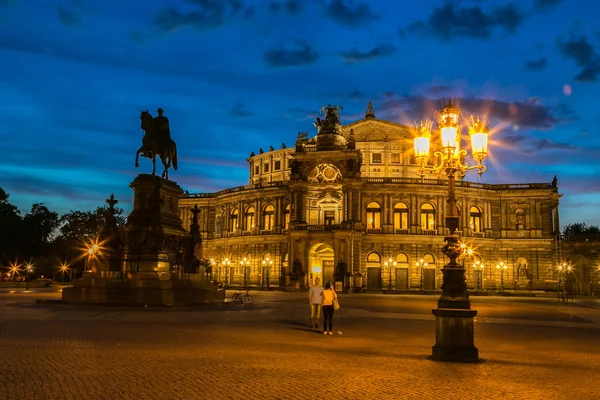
267,262
14,270
245,262
478,266
421,264
501,267
390,263
29,269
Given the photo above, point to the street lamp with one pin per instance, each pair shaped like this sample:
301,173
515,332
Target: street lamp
478,266
267,262
64,267
14,270
454,317
391,264
501,267
225,264
245,263
566,268
91,252
29,269
421,264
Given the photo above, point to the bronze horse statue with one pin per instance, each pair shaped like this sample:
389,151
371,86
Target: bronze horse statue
156,143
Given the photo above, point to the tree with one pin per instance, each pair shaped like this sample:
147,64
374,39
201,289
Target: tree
37,228
571,231
81,225
10,227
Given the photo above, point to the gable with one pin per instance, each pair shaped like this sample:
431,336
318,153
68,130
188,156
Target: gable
376,130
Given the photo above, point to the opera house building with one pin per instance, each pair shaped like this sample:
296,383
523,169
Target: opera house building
347,205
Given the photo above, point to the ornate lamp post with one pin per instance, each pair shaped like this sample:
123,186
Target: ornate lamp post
391,264
478,266
421,264
454,317
267,262
245,263
501,267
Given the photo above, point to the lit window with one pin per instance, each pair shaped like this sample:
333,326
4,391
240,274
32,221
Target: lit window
395,158
475,219
249,219
268,218
376,159
373,215
234,220
286,217
266,167
400,216
277,166
427,216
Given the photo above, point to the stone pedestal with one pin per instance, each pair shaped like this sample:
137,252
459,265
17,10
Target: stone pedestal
524,283
157,256
454,336
153,236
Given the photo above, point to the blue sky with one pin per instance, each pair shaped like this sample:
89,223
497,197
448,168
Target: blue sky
234,76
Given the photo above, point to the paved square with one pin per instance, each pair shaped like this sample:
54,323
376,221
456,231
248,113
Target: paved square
531,349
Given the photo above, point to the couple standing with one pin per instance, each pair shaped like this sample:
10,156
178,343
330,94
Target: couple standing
317,298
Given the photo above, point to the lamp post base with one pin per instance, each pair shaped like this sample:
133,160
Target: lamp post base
454,336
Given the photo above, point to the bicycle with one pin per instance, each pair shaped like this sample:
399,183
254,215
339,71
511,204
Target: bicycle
242,297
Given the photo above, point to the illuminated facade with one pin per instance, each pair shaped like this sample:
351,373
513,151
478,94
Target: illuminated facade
347,205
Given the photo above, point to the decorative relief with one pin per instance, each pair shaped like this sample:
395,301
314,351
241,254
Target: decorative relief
324,173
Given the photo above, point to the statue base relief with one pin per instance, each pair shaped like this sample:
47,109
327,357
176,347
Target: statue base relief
158,265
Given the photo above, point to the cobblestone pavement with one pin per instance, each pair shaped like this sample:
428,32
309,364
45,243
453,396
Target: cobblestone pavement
266,351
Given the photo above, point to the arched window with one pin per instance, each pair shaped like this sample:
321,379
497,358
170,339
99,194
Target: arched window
475,219
233,224
269,218
429,259
401,258
249,219
400,216
427,216
286,217
373,258
373,215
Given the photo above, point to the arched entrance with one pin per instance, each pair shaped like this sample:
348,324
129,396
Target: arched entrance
321,263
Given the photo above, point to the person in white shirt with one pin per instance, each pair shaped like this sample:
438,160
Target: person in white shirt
315,301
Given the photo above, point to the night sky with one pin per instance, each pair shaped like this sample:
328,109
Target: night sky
234,76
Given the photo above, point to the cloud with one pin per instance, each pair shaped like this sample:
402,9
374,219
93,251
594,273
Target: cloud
451,20
293,7
238,110
300,53
354,56
529,144
137,37
536,65
524,114
356,95
545,5
436,90
68,18
358,17
584,55
209,14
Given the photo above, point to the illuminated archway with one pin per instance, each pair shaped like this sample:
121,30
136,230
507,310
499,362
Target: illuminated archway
321,263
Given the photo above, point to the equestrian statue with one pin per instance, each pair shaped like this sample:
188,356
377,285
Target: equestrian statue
157,142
